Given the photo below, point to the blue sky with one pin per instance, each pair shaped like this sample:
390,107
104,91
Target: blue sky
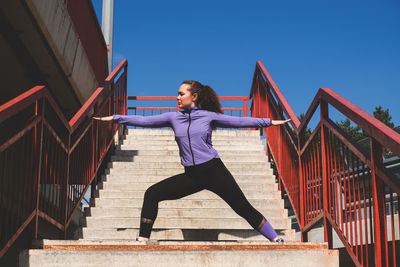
352,47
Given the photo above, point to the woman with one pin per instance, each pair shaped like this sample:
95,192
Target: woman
200,113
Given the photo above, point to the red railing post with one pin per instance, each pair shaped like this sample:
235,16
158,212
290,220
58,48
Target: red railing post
245,108
280,159
304,236
125,91
66,185
95,144
325,176
263,105
41,114
378,205
94,138
280,149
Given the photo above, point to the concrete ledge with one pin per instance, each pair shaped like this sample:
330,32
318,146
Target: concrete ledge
57,27
172,245
186,255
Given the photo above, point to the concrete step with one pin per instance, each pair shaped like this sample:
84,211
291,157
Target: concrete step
225,142
175,147
106,212
261,159
181,223
184,203
167,172
170,165
132,244
134,177
221,153
173,253
182,234
147,132
267,186
215,138
205,194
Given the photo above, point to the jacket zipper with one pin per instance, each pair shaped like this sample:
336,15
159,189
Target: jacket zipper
190,145
208,141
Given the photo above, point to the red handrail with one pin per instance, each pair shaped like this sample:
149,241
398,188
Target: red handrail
244,109
48,163
329,177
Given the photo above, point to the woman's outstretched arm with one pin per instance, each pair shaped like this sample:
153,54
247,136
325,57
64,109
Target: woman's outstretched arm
222,120
162,120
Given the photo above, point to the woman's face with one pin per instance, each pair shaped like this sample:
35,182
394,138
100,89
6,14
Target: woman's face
185,97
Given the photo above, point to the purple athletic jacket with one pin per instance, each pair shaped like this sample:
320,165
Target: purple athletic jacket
193,129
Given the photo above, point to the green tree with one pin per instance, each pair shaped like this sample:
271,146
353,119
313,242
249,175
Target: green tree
383,116
353,131
357,134
307,131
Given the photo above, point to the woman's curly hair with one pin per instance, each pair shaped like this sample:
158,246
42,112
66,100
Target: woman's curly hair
207,98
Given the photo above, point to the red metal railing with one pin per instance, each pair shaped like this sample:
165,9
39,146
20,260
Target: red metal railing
230,110
329,178
48,163
245,109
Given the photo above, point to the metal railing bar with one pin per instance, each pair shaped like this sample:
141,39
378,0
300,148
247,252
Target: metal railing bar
311,138
285,105
54,222
17,233
387,137
20,134
84,110
19,103
54,134
343,240
355,148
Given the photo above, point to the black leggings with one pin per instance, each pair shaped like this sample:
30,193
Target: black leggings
211,175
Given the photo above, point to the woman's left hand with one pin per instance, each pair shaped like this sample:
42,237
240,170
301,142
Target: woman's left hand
108,118
279,122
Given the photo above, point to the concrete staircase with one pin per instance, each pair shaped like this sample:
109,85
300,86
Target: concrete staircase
148,156
200,228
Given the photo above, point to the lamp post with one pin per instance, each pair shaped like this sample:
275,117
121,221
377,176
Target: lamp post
107,28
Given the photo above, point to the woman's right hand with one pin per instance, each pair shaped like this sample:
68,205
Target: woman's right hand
108,118
279,122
